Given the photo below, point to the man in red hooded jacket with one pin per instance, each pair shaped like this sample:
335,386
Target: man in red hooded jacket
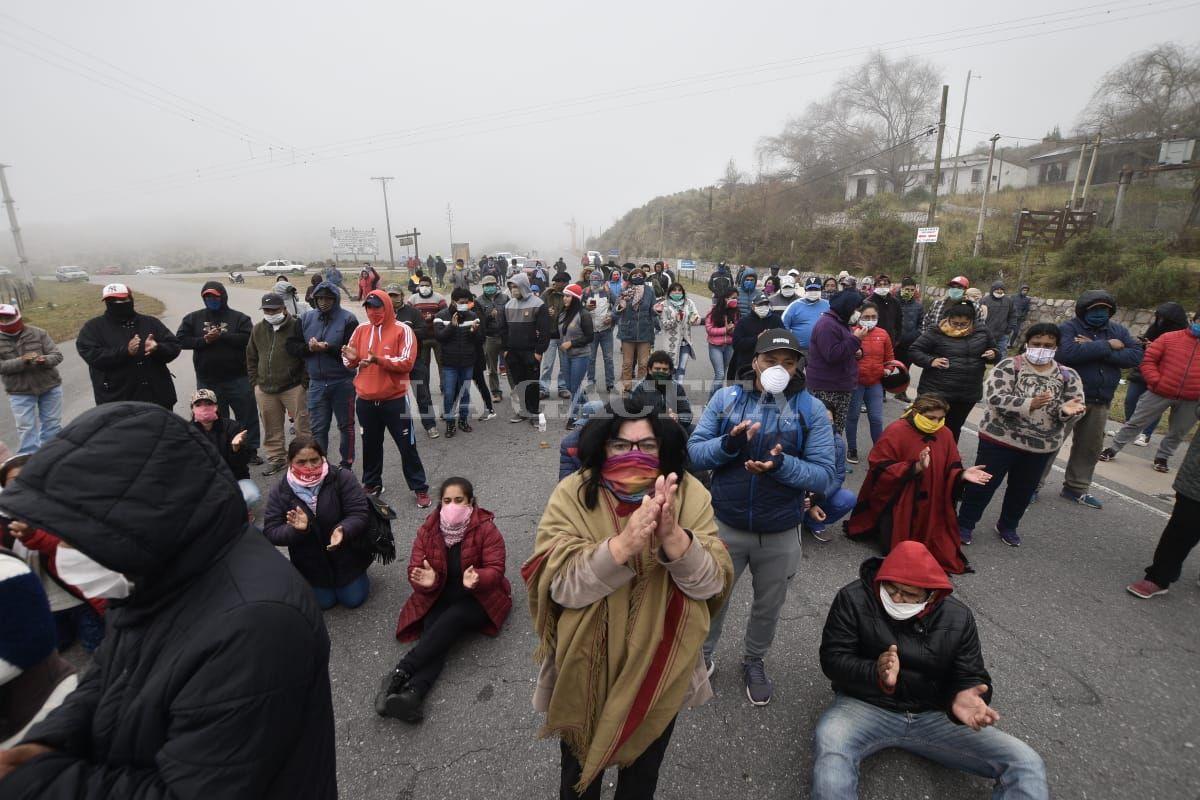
383,351
907,672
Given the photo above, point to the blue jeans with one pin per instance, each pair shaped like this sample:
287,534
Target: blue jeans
873,395
1002,345
719,356
1024,471
237,395
836,506
38,417
548,359
575,369
352,595
603,340
456,391
1134,390
329,399
851,730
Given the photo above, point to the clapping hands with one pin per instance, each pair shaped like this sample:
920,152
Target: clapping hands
653,524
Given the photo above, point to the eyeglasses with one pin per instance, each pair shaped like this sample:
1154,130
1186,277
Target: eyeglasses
899,596
621,446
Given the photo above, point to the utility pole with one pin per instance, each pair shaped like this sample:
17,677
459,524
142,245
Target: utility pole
450,225
661,230
937,177
1122,185
1091,169
1078,171
983,203
388,217
18,242
958,146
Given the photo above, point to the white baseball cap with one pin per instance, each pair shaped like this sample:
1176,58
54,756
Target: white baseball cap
118,291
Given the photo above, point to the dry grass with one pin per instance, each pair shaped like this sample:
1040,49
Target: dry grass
62,308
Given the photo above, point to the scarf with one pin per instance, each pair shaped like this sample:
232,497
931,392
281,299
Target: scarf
956,333
629,476
625,662
307,487
453,522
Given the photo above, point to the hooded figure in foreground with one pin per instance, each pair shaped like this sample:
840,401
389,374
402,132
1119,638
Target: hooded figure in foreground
907,671
213,680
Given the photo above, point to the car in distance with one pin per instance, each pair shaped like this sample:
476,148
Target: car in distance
150,270
109,270
281,267
68,274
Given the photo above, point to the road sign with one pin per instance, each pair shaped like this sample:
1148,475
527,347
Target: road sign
404,241
613,253
354,241
927,235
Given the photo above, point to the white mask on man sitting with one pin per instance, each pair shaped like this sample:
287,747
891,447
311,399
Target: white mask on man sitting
762,311
90,577
900,611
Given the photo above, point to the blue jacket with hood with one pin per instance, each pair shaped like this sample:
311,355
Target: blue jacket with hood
1098,364
335,327
745,296
774,501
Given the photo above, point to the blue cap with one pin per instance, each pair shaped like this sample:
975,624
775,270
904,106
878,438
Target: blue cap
812,283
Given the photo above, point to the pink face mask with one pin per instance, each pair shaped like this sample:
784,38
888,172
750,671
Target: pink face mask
455,514
205,412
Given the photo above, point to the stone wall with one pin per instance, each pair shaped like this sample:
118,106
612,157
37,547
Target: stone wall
1047,309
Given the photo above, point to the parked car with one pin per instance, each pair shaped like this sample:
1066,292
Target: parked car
281,267
68,274
110,270
150,270
5,272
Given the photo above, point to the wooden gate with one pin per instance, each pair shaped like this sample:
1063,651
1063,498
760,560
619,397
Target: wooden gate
1052,228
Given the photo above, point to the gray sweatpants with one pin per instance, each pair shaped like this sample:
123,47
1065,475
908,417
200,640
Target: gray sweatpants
774,559
1150,406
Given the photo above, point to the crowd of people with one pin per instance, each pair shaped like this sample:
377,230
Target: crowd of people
658,511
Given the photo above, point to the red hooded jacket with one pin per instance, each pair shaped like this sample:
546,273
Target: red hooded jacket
911,563
1171,366
876,351
482,548
392,346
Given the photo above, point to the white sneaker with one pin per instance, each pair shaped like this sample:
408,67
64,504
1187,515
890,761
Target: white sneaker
1142,440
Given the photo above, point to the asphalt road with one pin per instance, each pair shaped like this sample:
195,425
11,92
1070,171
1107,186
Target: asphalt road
1104,686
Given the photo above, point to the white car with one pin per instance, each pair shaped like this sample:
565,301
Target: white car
281,267
151,270
67,274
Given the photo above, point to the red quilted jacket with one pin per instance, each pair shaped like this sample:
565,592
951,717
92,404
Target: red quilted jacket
1171,366
876,351
482,548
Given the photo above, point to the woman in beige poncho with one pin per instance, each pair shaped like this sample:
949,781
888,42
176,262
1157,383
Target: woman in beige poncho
626,573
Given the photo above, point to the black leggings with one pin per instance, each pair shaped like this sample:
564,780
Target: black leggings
635,782
956,417
480,379
444,625
1178,538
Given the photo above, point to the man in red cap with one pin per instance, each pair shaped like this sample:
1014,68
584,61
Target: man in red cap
127,353
956,288
907,672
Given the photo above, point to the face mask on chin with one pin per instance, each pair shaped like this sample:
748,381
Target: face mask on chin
89,577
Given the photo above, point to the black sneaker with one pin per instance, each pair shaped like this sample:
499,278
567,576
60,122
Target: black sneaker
852,456
465,426
373,491
392,684
758,685
1108,454
1160,465
449,429
274,468
256,460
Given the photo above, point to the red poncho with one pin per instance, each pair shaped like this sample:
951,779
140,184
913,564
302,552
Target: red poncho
898,504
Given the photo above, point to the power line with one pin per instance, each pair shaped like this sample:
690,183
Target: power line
368,145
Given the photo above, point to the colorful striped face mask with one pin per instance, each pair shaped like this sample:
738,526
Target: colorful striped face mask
630,475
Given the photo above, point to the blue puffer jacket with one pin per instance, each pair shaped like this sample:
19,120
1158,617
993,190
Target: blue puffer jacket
1098,365
772,502
336,328
746,296
638,322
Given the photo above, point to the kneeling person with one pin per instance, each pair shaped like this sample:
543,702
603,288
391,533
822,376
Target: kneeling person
908,672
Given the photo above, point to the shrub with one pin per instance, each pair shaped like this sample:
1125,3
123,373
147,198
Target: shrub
1088,261
980,271
882,243
1147,285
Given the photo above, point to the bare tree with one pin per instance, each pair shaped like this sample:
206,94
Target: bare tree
1154,92
871,119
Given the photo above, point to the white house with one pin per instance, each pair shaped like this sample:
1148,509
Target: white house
972,170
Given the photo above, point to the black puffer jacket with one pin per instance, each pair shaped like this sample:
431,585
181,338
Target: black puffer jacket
459,341
341,501
221,437
939,650
962,381
224,358
213,679
103,342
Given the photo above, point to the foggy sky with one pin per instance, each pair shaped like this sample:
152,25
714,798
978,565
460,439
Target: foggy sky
523,108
